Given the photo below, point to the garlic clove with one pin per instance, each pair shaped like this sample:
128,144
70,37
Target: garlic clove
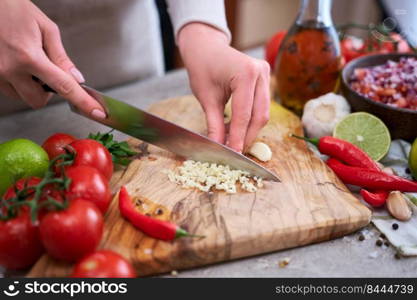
398,207
381,166
389,171
261,151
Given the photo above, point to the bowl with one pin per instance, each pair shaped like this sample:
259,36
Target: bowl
401,122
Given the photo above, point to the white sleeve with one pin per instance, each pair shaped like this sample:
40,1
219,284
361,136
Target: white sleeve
211,12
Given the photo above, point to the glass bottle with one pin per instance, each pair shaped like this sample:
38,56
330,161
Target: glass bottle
309,59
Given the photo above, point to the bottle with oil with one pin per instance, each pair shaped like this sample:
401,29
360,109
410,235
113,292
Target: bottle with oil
309,59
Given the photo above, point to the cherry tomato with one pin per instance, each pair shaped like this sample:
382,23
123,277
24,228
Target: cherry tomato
20,244
71,233
103,264
93,154
400,46
88,183
48,191
55,144
272,47
20,185
351,48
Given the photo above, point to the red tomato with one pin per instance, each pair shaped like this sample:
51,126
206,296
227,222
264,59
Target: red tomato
20,185
272,47
31,182
55,144
88,183
20,245
93,154
103,264
401,45
351,47
71,233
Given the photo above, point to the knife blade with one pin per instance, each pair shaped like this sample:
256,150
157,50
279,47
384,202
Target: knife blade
169,136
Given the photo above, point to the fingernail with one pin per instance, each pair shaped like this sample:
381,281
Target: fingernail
98,114
77,75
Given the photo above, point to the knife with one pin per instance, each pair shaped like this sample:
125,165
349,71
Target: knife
169,136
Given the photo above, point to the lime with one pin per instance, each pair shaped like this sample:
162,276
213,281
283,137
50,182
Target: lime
365,131
412,159
21,158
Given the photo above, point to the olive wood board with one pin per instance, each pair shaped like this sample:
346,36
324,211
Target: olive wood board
309,205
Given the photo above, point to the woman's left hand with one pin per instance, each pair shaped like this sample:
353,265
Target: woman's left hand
218,72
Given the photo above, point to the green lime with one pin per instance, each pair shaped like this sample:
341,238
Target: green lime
21,158
365,131
412,159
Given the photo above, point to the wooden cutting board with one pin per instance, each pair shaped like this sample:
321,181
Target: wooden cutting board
309,205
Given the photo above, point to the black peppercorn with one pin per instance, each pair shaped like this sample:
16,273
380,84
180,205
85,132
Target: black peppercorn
379,242
386,243
397,255
361,237
395,226
382,236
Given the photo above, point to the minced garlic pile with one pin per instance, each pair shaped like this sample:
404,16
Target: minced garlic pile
205,176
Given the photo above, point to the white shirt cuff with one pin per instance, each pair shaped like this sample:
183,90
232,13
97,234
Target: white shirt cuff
211,12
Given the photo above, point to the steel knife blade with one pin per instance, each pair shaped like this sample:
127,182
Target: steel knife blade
169,136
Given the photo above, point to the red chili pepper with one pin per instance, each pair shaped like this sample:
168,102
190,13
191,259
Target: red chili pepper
374,180
343,150
376,199
155,228
353,156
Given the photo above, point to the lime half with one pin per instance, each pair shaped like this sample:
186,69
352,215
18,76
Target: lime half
21,158
365,131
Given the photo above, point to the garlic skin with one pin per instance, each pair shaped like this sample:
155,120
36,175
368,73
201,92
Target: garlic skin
323,113
261,151
397,206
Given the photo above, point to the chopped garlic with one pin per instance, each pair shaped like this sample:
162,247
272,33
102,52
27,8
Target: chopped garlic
205,176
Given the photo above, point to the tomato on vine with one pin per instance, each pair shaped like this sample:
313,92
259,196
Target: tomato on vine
20,244
88,183
91,153
56,143
72,232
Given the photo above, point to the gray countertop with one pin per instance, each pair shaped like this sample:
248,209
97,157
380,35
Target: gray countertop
344,257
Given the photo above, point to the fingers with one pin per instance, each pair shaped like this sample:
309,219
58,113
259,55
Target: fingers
30,91
216,129
66,86
8,90
243,90
54,49
260,111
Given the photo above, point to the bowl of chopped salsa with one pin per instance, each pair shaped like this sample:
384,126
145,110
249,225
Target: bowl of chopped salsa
385,85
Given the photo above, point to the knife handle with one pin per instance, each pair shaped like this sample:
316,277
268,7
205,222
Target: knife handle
45,87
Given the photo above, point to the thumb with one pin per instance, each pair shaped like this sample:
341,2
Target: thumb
56,53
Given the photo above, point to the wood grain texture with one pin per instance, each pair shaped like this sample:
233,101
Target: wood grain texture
309,205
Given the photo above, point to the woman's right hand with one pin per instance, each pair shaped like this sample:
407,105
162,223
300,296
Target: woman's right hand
30,45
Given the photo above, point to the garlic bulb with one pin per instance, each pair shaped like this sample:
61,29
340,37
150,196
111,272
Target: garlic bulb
323,113
261,151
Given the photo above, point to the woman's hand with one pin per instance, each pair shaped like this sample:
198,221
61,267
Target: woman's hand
217,71
30,45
